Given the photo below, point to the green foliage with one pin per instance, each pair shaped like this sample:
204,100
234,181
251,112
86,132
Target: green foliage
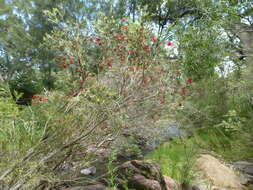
233,122
17,133
27,84
112,171
8,108
203,51
230,147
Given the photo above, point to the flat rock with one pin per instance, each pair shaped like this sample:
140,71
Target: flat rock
218,174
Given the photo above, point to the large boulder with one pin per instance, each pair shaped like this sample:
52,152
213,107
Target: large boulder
218,174
246,169
140,175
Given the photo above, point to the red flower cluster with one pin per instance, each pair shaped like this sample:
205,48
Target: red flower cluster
118,37
169,44
189,80
109,64
39,99
98,39
146,47
64,66
71,62
79,69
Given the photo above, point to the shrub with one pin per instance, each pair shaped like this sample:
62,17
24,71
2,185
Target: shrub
27,84
108,84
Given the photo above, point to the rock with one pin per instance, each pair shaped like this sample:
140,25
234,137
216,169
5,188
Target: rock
244,166
218,174
89,171
246,179
199,187
89,187
140,175
218,188
171,184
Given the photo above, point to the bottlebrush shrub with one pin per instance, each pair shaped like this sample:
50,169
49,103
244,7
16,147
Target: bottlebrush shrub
116,79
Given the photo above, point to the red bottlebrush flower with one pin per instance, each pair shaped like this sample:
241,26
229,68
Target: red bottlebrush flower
118,36
169,44
79,70
146,47
189,80
98,39
64,59
154,39
125,94
72,62
35,97
33,102
64,66
109,64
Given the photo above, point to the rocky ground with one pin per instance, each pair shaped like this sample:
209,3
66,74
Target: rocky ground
211,174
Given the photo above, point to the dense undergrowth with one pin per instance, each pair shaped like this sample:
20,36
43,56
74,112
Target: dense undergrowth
111,87
220,120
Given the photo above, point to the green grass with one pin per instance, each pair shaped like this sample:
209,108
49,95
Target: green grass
177,158
238,146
